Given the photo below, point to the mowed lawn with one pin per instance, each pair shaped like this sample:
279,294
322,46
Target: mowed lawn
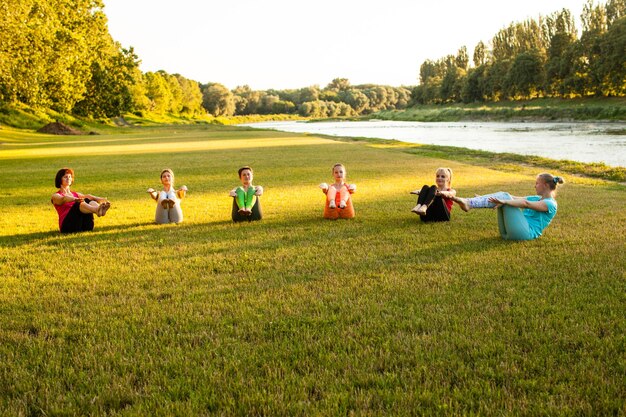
295,315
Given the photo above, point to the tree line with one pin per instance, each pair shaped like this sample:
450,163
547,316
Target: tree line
59,54
541,57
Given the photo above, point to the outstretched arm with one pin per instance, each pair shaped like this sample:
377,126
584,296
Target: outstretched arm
182,192
58,199
93,197
521,203
153,194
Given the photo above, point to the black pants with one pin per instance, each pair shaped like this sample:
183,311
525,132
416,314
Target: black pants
257,213
77,221
437,210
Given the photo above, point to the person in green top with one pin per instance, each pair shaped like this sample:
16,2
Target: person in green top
519,218
246,203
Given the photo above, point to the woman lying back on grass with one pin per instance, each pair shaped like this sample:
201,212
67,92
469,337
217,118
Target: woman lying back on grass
513,222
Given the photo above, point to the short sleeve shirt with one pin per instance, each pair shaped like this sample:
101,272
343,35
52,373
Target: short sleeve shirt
539,220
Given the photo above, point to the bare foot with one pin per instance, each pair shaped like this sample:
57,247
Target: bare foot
462,202
416,192
103,208
332,205
422,210
342,204
416,209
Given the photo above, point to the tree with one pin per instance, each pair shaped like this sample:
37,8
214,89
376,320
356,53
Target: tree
594,21
561,32
525,77
462,58
338,84
218,100
479,54
157,92
355,99
613,67
109,91
191,96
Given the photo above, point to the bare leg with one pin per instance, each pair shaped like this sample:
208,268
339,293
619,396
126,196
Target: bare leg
331,194
89,208
344,195
462,202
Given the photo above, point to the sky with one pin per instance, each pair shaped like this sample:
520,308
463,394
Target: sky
285,44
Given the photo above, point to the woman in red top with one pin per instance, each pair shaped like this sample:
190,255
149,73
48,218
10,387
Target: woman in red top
75,210
432,206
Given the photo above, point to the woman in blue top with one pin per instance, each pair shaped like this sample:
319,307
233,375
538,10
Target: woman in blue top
519,218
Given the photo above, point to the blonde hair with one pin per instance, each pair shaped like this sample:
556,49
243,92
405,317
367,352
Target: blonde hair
551,180
447,171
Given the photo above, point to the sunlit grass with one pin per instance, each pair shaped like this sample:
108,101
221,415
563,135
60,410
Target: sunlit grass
295,315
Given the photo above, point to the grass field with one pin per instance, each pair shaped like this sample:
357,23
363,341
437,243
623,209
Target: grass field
295,315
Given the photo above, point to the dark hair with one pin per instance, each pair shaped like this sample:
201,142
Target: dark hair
60,174
243,169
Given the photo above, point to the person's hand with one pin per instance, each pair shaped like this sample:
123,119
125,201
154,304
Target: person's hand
232,193
352,188
497,202
258,190
184,188
78,199
323,186
150,190
444,194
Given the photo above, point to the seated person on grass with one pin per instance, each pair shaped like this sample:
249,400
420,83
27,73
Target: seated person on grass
168,201
75,210
338,195
246,202
519,218
431,205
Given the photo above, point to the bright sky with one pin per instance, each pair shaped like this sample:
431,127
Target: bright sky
285,44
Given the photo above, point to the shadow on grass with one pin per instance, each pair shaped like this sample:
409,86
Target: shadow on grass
386,218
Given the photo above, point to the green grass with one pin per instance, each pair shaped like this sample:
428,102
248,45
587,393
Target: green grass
545,109
295,315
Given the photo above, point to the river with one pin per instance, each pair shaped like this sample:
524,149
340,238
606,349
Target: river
576,141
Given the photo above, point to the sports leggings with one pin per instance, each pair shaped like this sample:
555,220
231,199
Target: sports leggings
245,199
511,220
168,215
437,210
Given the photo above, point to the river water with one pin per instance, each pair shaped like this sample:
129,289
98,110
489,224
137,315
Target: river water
576,141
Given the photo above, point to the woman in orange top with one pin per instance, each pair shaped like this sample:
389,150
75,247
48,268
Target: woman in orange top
338,195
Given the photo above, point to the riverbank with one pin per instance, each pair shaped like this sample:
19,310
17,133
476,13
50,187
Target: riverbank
504,161
587,109
556,145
